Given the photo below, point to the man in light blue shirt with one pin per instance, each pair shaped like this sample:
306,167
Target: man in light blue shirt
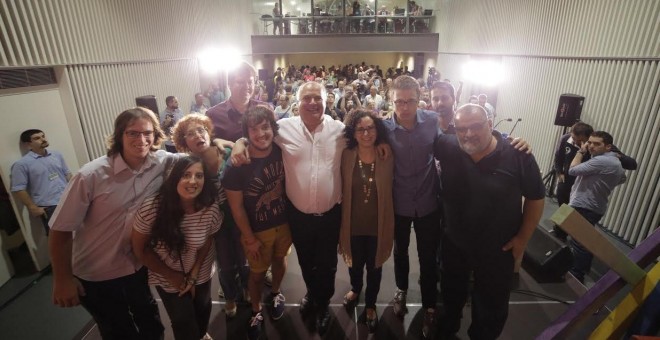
168,119
40,177
595,180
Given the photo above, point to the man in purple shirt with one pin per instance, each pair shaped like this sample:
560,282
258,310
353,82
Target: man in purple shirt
226,116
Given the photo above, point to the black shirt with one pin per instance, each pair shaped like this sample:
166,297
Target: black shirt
482,201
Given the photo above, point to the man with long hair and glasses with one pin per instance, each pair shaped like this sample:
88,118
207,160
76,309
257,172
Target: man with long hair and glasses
89,243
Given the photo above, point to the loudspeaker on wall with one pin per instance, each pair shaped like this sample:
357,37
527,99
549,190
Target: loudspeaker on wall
148,102
569,109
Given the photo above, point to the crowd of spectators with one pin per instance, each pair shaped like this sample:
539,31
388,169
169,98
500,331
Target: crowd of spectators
353,86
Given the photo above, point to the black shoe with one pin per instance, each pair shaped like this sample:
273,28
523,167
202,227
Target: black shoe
428,327
323,321
372,324
349,305
306,306
399,303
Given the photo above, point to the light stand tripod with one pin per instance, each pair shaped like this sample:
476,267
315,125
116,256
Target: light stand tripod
550,179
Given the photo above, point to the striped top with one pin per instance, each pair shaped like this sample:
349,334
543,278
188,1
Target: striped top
197,228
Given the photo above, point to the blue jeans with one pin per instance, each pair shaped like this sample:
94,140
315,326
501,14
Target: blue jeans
582,258
233,268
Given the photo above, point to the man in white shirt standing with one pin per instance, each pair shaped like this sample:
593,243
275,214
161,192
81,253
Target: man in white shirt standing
312,144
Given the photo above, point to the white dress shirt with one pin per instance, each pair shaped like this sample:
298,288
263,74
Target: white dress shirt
312,163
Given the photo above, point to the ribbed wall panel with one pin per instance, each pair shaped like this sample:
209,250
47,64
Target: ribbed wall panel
577,28
66,32
102,92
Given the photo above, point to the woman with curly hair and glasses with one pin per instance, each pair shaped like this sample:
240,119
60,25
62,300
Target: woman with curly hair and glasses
173,237
367,224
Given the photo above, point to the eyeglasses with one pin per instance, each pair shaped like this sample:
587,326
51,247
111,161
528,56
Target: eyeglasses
473,127
136,134
402,103
308,99
369,129
200,131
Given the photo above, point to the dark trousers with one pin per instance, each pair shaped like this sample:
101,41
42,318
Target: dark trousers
363,250
123,308
189,315
233,267
427,232
316,238
493,271
563,197
582,258
46,218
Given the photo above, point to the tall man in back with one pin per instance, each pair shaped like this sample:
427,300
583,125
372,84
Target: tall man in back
484,180
40,177
595,180
90,245
226,118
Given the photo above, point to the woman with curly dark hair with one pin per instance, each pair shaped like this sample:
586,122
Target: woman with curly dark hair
173,237
367,222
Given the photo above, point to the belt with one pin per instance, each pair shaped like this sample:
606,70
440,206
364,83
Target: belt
324,213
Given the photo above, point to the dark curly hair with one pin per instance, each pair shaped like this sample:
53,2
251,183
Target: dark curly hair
166,230
255,116
353,120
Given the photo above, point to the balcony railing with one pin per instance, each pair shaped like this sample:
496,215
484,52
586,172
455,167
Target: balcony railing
326,24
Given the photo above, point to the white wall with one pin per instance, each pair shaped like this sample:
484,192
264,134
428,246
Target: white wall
40,109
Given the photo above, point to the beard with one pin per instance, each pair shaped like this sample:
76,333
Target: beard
471,146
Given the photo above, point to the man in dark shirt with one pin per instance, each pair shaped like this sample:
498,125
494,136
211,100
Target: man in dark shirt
256,196
443,101
486,231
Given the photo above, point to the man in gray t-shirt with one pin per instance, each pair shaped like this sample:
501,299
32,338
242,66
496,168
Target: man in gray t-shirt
595,180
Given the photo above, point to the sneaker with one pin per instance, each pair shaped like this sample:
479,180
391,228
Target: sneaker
399,303
428,327
230,309
268,281
277,309
207,337
254,330
221,294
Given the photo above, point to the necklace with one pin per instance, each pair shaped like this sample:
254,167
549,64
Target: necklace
367,181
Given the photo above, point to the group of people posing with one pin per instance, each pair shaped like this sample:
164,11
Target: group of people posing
141,216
